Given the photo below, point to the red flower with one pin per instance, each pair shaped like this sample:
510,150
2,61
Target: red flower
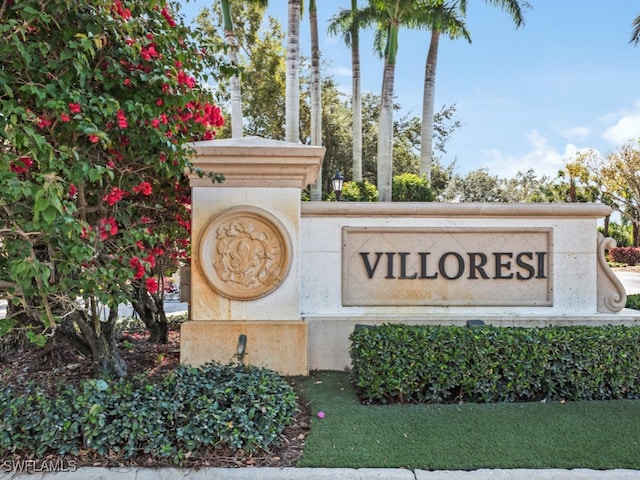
114,196
73,190
149,52
107,228
185,79
94,138
65,118
168,17
152,285
122,119
22,165
44,122
74,108
125,13
127,81
144,188
138,267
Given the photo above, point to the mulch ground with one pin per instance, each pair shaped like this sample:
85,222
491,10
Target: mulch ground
56,363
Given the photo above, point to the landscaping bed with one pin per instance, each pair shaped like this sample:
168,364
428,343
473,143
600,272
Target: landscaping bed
55,365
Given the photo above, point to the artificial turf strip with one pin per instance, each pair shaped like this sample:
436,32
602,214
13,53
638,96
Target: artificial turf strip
596,435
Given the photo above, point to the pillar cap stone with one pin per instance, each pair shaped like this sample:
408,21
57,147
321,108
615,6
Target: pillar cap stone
255,162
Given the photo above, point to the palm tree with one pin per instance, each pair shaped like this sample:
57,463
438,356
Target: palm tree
347,22
443,18
232,52
392,14
292,119
316,97
635,35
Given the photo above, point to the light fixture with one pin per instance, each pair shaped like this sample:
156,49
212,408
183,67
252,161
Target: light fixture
337,181
475,323
242,346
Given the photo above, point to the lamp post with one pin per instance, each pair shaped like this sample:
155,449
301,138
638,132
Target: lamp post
337,181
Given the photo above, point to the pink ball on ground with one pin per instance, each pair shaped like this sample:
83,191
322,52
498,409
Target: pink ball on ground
320,414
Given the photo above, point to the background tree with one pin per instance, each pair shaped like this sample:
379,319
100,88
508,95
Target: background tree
347,23
99,99
618,178
261,62
476,186
444,18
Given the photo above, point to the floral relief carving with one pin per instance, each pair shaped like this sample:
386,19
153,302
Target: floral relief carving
245,253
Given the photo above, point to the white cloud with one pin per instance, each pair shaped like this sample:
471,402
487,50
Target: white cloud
625,129
575,133
543,158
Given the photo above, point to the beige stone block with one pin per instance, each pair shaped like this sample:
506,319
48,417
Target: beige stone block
279,346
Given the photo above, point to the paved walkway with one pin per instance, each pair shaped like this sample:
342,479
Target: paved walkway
88,473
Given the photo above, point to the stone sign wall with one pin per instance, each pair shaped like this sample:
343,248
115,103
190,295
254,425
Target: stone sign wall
446,266
292,279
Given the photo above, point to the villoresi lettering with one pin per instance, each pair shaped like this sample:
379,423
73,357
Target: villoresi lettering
453,265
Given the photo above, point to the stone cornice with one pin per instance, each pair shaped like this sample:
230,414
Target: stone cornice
437,209
256,162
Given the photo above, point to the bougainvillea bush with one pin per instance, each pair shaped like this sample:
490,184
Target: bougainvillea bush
99,101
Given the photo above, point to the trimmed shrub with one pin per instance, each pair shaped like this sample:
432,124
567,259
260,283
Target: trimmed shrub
235,407
633,301
359,192
410,187
626,255
424,364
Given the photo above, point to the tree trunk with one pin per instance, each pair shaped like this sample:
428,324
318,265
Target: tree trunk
292,118
316,96
151,311
356,99
96,340
385,136
236,103
428,100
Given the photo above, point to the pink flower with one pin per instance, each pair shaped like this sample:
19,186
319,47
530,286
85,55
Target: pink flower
94,138
65,118
74,108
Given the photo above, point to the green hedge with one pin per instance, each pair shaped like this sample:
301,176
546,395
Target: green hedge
423,364
633,301
236,407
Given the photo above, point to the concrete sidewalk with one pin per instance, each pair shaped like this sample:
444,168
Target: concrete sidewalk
248,473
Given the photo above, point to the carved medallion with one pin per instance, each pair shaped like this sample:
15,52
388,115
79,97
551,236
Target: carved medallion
245,253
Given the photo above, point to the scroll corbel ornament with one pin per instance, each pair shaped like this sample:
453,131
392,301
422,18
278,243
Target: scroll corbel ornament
611,293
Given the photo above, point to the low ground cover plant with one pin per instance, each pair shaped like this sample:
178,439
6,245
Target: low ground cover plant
190,410
431,364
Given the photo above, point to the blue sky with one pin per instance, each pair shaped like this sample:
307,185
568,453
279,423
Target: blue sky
526,98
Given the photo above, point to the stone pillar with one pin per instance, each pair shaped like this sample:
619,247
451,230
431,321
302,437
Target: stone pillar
245,273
